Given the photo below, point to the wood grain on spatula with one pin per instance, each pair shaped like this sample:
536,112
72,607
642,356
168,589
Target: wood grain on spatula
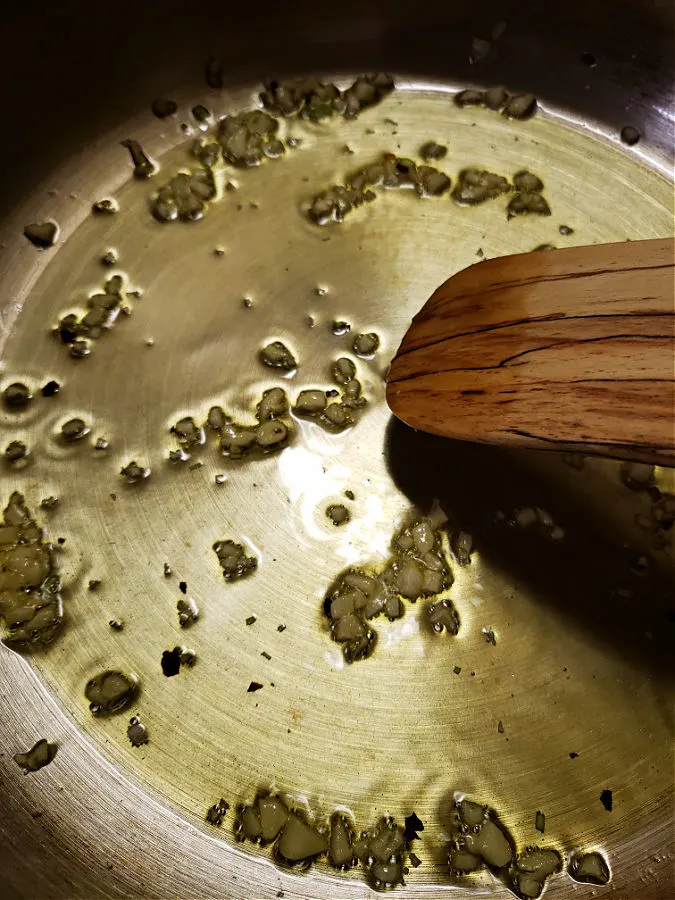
565,349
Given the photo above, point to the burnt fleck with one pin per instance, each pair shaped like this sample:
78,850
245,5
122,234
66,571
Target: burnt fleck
540,821
94,584
412,825
250,620
51,389
281,628
253,686
574,755
171,662
606,799
266,655
116,625
500,727
182,586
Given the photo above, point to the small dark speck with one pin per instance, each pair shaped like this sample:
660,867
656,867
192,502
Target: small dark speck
250,620
61,541
116,625
573,755
349,495
113,496
606,799
94,584
479,252
565,230
457,670
500,727
182,585
588,59
470,393
266,655
253,686
281,628
473,674
326,606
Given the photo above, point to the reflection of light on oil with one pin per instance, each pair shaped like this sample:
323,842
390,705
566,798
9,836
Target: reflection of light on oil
312,481
407,630
335,659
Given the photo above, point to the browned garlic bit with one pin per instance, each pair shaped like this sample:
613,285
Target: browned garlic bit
535,516
341,846
105,207
188,433
216,813
143,165
389,172
531,869
185,197
134,473
16,451
16,396
432,150
268,819
111,692
276,355
137,732
338,514
637,476
382,851
248,138
514,106
365,345
417,568
233,560
188,613
527,202
103,309
520,106
30,599
316,100
336,416
40,755
42,234
476,186
478,839
589,868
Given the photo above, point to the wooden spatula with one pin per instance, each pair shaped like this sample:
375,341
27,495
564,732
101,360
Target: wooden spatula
565,349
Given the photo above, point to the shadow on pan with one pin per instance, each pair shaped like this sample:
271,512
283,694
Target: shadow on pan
590,576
